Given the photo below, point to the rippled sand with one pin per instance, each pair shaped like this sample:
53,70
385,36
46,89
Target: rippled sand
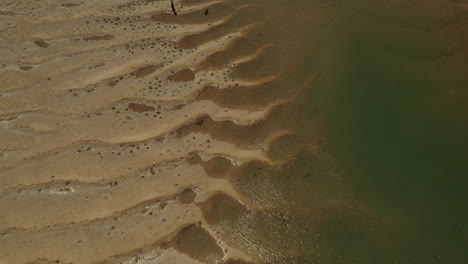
129,134
95,98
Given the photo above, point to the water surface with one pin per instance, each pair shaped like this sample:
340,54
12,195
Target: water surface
376,171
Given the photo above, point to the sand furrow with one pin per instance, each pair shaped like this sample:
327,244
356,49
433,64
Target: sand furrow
60,11
109,36
126,127
197,243
88,162
169,256
109,82
105,238
86,202
131,25
37,123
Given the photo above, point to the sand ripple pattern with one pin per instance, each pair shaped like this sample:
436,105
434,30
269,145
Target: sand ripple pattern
93,166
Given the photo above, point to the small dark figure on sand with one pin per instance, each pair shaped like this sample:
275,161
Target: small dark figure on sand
173,8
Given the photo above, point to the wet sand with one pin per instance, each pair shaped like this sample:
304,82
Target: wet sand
236,131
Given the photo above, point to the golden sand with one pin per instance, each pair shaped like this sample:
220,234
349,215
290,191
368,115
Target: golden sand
94,168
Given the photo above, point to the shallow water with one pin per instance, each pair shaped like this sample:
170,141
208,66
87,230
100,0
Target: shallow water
375,173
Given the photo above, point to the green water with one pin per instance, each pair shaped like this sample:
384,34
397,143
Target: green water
378,165
401,145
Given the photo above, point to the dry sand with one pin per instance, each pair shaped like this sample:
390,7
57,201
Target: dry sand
93,98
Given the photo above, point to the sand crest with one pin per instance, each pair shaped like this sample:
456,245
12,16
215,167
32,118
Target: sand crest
94,95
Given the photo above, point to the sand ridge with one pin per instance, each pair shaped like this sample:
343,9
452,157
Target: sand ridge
93,97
